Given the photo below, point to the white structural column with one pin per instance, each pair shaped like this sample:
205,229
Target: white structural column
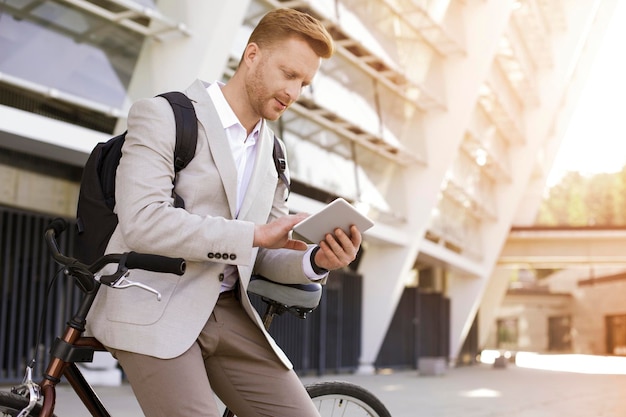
467,293
385,267
174,64
494,293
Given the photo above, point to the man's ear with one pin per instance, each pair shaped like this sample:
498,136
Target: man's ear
251,53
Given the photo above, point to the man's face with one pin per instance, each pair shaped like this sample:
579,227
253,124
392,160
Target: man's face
278,74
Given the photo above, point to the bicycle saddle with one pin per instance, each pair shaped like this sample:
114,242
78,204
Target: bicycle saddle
289,295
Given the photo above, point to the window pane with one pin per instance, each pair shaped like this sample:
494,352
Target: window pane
62,47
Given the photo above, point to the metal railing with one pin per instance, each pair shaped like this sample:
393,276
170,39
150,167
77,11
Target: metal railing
26,279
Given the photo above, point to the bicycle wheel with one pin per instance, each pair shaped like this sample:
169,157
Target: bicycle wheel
12,405
344,399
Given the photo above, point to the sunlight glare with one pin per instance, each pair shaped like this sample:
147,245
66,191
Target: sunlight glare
593,142
481,393
578,363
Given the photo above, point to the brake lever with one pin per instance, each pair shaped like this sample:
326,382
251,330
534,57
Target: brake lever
119,280
124,282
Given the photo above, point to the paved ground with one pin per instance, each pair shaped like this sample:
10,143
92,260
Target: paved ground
476,391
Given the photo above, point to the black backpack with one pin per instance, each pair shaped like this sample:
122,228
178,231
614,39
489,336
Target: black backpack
95,219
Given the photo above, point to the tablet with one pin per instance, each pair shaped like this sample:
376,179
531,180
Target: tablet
339,213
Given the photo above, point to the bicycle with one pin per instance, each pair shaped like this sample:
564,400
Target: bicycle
31,399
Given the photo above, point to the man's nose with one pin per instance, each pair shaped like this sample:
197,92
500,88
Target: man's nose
293,91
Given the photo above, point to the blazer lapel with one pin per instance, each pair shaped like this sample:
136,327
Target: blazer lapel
217,141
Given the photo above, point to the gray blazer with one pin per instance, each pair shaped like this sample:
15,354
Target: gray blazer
132,319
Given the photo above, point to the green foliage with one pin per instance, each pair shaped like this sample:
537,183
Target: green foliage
578,200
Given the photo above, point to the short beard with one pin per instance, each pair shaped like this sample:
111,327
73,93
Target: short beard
257,93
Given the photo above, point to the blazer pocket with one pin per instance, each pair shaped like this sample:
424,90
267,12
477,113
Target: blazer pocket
137,306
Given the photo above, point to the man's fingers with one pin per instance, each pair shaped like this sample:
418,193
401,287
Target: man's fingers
335,253
338,249
355,235
342,243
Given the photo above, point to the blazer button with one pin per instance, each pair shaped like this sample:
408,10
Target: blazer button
218,256
210,255
221,277
224,256
233,256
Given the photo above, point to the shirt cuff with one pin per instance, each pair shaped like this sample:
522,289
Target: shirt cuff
309,269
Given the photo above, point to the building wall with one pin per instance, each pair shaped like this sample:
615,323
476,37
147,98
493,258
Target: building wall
532,313
592,303
37,191
587,305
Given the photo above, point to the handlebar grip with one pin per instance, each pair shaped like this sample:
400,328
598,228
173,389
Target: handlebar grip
156,263
57,225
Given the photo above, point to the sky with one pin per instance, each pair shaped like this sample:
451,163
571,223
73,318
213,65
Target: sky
595,140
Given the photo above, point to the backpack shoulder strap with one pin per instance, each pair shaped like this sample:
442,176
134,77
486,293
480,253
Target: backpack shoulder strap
186,134
186,128
280,162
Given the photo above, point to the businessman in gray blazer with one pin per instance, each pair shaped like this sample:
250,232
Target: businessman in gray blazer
204,337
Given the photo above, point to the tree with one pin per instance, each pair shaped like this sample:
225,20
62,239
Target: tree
578,200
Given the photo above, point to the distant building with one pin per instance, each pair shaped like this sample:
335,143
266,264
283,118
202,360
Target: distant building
589,317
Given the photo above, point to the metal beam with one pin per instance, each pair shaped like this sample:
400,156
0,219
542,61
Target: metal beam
564,247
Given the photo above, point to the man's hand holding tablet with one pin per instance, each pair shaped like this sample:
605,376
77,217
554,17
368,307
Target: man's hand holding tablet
337,230
338,214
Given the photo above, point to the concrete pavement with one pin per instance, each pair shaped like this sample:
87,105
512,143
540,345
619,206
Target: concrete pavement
473,391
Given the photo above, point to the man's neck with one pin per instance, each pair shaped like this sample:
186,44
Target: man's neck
237,98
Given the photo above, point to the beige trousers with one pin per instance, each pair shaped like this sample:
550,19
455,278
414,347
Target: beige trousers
230,359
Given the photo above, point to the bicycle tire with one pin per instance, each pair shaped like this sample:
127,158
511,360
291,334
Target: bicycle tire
12,404
334,397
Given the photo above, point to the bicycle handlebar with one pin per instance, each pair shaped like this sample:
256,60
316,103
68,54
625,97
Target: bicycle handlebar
129,260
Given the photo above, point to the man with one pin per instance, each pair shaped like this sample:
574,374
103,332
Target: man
204,336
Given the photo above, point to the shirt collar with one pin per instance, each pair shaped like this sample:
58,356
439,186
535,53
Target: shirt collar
225,112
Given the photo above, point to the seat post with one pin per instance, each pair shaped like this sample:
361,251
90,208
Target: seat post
271,311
